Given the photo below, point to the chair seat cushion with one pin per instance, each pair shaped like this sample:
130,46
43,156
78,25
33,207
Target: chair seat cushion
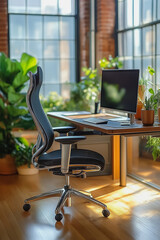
78,156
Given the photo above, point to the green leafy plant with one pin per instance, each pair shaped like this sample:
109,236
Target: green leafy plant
52,102
145,80
150,103
13,76
22,152
153,145
110,63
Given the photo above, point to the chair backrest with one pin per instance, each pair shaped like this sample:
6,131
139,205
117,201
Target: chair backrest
35,108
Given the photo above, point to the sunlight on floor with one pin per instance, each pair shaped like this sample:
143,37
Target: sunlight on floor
122,202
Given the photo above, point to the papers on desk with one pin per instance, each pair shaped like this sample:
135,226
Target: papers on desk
75,113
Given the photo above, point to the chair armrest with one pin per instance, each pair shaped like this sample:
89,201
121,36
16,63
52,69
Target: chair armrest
64,129
69,139
67,142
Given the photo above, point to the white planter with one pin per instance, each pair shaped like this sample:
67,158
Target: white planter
25,170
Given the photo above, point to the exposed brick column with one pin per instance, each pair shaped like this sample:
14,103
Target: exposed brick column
105,43
3,26
84,25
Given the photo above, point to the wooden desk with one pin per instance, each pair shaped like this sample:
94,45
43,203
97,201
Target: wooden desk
114,129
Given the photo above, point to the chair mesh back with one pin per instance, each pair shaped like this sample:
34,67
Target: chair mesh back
40,119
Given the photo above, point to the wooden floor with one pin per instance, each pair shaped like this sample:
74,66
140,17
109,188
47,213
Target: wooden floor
135,210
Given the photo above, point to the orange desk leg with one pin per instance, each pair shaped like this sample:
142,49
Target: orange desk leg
116,157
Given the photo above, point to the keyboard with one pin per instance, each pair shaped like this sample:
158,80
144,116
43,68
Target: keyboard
96,120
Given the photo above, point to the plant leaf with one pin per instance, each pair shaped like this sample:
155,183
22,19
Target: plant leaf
28,63
20,79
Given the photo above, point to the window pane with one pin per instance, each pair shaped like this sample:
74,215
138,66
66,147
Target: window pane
128,43
128,63
67,49
128,13
17,47
51,71
120,14
51,28
146,62
120,45
17,26
51,49
67,71
158,9
35,48
67,26
51,88
147,11
34,6
65,91
17,6
154,10
158,70
67,7
34,27
137,64
147,41
158,37
137,12
49,6
137,42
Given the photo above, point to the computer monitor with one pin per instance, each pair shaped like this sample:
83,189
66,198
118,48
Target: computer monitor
119,90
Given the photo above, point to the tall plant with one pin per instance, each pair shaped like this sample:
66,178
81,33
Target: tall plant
13,76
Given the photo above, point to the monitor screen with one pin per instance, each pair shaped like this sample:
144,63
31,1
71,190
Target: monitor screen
119,89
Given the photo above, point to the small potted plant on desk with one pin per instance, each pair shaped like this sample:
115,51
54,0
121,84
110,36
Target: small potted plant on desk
144,82
23,155
149,104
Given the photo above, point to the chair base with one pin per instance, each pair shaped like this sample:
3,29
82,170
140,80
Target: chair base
65,198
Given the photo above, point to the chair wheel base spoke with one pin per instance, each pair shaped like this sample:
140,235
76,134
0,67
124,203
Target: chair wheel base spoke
26,207
58,217
106,212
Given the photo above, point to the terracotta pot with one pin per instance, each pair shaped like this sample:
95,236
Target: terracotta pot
147,117
7,165
138,113
141,91
25,170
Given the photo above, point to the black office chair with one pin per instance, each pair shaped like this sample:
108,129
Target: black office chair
66,162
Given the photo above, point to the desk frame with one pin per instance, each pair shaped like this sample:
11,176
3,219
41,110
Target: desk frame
123,132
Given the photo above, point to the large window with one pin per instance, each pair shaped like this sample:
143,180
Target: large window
138,34
46,29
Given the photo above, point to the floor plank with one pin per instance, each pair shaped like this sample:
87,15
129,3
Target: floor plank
135,210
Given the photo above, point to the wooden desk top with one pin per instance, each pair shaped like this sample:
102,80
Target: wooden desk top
112,128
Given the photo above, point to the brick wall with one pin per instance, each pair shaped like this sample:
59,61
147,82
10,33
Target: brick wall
84,25
105,43
3,27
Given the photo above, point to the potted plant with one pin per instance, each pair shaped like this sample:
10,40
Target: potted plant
23,156
143,84
13,76
149,104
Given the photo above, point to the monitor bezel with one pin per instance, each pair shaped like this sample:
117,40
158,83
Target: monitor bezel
113,109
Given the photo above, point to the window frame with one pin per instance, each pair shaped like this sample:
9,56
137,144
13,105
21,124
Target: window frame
153,24
76,39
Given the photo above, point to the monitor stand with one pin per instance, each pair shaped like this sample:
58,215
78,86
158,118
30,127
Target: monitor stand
131,116
125,120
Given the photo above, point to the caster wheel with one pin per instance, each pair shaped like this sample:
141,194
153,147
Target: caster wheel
106,212
58,217
26,207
